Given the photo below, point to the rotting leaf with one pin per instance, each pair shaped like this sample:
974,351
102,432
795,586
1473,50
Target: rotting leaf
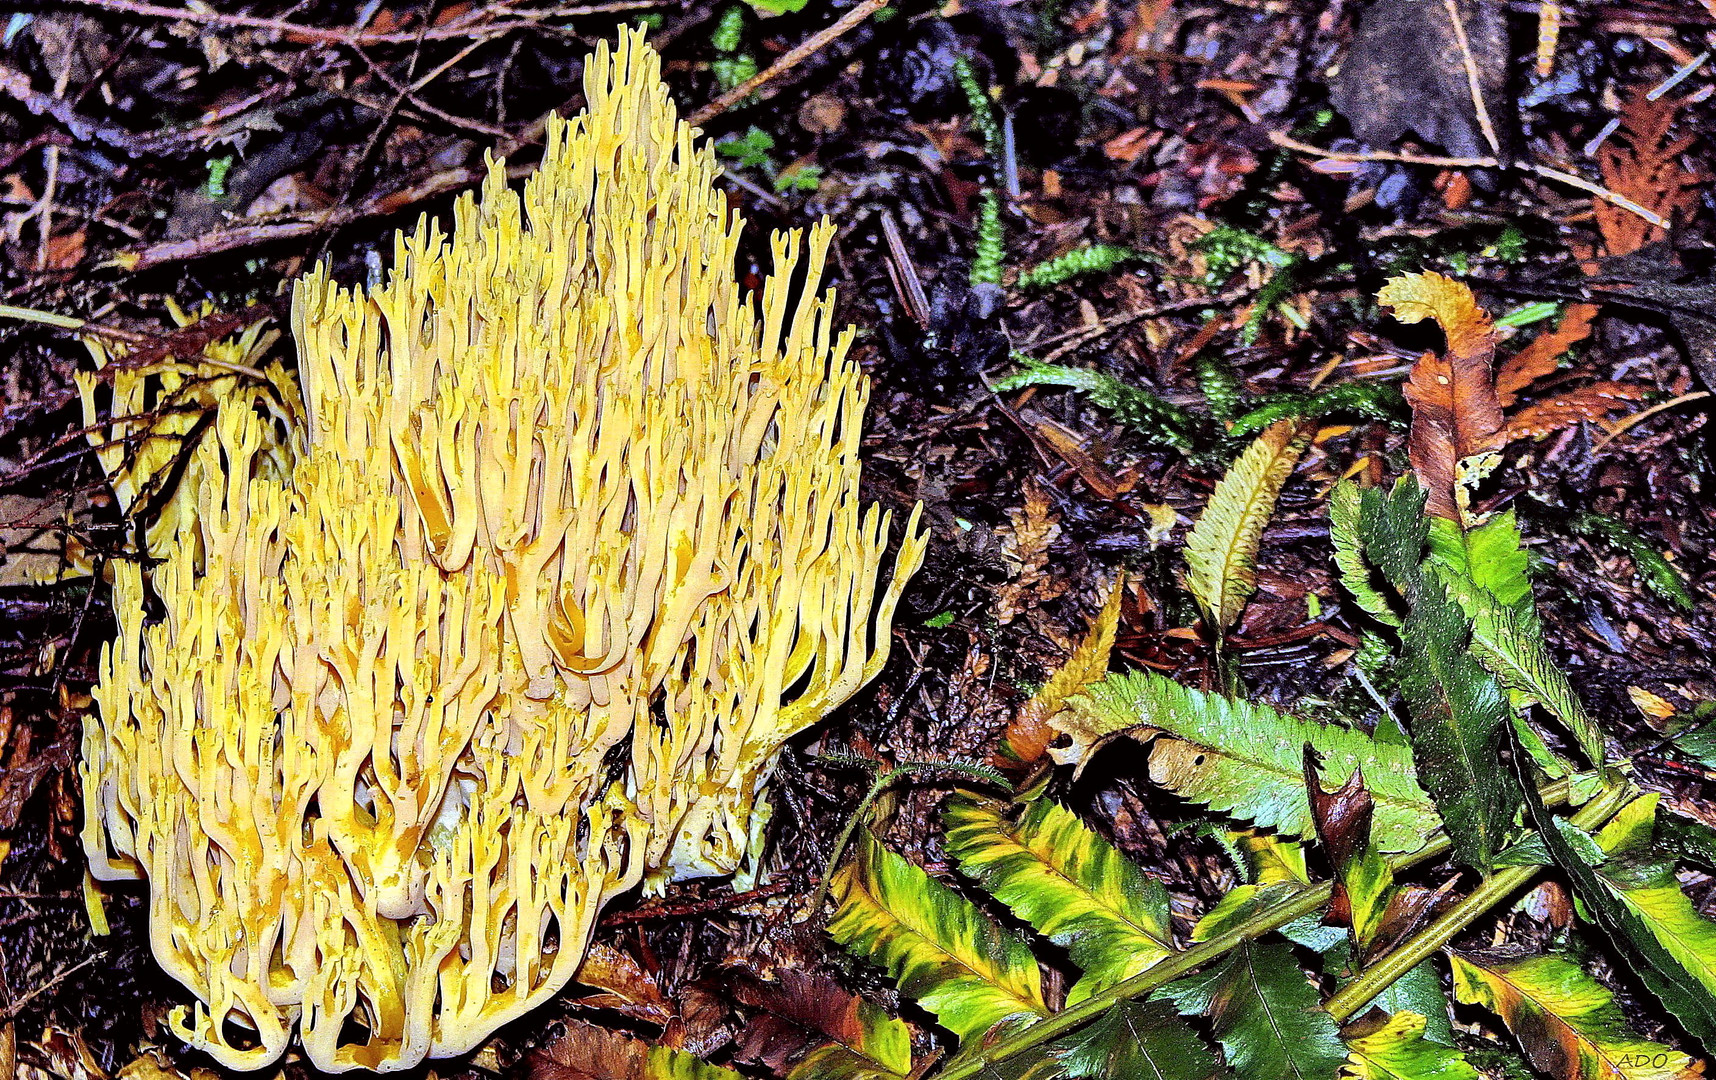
625,987
1455,412
1364,884
1404,72
587,1052
1586,404
1034,528
1641,161
867,1041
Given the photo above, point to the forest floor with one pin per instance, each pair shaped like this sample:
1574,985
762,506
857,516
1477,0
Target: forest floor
1254,170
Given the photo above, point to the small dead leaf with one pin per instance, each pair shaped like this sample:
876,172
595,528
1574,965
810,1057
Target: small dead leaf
1653,706
1342,817
1641,161
1588,403
588,1052
1035,528
1541,357
823,114
625,986
65,251
1128,146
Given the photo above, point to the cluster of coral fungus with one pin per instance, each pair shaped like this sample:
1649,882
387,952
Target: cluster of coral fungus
564,545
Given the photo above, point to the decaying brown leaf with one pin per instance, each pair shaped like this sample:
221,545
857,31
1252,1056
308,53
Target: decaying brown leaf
1591,403
623,985
1455,413
1642,162
1342,817
1543,354
588,1052
1035,527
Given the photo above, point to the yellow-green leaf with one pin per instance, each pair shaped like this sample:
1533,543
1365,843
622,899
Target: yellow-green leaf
1566,1021
1653,893
1399,1051
1069,883
1029,734
1221,551
941,950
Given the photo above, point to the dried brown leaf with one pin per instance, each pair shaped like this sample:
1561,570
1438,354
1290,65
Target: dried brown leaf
1455,414
1641,161
1342,816
1035,527
1543,354
1587,403
588,1052
625,986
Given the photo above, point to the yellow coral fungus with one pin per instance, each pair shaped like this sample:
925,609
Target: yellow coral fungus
568,545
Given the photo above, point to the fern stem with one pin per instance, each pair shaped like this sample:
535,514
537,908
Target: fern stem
1504,883
881,784
1302,903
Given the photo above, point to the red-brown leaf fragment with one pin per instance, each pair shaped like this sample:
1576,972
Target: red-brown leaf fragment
1588,403
1541,356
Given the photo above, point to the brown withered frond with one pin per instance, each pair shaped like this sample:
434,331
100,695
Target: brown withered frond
1455,413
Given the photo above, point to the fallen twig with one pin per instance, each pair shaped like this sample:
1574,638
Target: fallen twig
793,58
471,25
1282,139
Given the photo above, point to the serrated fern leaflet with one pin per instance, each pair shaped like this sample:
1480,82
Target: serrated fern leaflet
1221,550
1246,759
1069,883
943,951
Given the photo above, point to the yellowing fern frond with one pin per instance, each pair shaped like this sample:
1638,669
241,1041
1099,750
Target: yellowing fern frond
1221,552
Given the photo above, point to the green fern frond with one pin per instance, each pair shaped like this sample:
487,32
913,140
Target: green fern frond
1220,385
1068,883
1246,760
1150,416
1221,550
1658,573
942,951
1368,400
1090,259
1344,502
